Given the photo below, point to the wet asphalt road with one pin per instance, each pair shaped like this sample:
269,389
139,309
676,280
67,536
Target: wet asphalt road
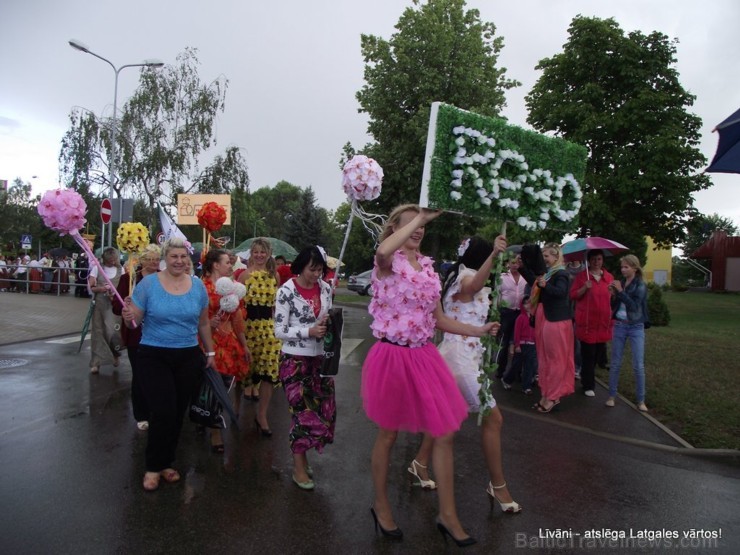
72,462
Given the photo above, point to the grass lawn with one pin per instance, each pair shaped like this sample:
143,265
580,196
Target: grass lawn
692,369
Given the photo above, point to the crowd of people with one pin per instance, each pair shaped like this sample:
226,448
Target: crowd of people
52,274
555,318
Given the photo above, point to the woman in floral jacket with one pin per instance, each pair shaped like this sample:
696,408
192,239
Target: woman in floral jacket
303,303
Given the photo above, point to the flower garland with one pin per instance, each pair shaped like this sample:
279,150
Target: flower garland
501,179
261,289
492,344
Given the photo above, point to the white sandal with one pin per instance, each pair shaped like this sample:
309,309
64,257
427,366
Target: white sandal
425,484
513,507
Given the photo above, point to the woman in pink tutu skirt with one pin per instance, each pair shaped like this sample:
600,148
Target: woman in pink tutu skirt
406,385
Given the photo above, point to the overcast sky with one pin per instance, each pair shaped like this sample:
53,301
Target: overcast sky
294,67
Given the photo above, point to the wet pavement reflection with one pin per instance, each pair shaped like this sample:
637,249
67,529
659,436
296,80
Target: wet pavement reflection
73,463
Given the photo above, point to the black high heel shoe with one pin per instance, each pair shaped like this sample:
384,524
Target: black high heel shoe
460,543
396,534
267,432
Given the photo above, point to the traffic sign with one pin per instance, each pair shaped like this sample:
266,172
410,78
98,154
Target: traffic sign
25,241
160,238
105,210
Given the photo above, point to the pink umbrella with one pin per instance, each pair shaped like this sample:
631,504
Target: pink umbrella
578,248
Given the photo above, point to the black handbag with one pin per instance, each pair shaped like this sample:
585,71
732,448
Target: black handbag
333,342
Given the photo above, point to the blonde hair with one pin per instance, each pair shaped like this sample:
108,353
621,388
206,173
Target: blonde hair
556,251
395,216
270,265
151,250
632,261
172,243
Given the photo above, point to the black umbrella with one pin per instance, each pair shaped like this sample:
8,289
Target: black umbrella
59,251
727,158
217,384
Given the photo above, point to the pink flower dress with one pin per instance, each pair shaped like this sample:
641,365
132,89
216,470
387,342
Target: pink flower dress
406,384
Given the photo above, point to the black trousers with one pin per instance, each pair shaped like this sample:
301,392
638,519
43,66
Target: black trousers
591,353
506,332
169,377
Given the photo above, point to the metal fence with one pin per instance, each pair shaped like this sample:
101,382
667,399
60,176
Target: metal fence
55,280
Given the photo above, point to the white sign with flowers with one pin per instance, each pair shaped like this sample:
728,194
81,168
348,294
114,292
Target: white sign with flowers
484,166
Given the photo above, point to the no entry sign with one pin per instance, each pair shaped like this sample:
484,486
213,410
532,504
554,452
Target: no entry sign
105,210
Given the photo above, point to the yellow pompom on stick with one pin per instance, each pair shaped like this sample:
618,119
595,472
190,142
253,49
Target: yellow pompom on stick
132,238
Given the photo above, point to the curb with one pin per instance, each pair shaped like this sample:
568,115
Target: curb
692,451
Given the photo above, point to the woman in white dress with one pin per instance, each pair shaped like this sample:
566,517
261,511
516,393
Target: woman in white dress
466,298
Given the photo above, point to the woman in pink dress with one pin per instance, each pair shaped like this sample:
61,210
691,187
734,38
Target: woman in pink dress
553,328
406,385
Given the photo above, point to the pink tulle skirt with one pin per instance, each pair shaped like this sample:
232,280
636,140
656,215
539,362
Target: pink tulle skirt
411,389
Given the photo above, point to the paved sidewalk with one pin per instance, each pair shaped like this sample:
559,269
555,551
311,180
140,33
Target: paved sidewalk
39,316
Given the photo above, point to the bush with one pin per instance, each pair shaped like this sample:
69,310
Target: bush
657,307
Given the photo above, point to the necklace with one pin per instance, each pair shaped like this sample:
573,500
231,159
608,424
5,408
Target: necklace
176,283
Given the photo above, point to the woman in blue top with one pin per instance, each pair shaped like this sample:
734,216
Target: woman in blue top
172,308
629,310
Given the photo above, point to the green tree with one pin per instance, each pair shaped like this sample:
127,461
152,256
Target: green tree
441,51
162,132
19,216
620,96
305,226
270,207
700,228
360,249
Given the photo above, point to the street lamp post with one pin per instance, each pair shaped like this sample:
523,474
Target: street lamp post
112,162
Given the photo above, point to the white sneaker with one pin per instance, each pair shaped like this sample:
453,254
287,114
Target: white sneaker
578,375
143,425
589,393
506,386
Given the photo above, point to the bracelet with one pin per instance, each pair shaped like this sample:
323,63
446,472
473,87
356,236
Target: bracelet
211,354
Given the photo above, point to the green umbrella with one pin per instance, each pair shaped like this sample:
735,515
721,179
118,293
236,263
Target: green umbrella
279,248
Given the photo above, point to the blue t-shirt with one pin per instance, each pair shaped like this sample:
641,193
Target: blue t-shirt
169,320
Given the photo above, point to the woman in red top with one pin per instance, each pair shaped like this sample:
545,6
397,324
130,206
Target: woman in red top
593,315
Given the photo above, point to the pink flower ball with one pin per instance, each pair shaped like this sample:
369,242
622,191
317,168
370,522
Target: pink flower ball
362,178
63,210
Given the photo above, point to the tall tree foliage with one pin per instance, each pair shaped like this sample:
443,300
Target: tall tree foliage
272,207
162,132
19,217
700,228
620,96
305,226
441,51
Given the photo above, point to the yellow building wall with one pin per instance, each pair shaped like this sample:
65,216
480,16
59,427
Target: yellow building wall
657,268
